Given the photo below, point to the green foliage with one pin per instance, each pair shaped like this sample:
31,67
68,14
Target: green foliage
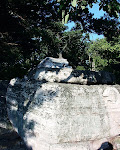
106,56
107,25
31,30
73,46
80,68
23,25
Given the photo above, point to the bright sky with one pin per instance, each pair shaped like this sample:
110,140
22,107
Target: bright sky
97,14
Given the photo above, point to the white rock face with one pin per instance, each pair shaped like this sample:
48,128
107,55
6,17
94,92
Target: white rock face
59,116
58,70
50,62
50,115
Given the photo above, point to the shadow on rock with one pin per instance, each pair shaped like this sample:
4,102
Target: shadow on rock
106,146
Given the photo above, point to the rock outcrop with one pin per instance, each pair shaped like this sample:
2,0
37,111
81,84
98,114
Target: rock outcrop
60,116
58,70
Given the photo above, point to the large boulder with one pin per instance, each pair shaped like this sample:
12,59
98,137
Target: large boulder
59,116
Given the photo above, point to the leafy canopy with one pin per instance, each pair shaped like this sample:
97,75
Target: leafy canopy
32,29
106,55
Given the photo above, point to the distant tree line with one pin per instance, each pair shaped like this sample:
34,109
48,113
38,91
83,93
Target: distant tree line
106,55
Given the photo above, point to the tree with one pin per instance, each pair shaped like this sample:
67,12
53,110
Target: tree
74,47
78,11
106,55
32,29
23,25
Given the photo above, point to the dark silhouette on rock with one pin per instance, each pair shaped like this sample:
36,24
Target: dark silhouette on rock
106,146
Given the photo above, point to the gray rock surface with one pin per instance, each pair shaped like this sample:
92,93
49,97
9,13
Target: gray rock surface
51,115
9,139
59,116
50,62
